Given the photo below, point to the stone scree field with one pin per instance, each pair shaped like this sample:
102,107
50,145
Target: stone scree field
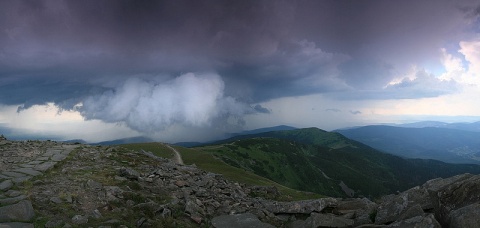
51,184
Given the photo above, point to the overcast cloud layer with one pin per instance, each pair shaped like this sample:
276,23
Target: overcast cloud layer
151,65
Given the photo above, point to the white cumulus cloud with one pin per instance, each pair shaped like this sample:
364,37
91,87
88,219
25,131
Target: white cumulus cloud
196,100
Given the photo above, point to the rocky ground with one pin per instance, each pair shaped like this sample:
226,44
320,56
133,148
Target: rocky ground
50,184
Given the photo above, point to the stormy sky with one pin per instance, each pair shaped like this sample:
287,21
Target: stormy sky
194,70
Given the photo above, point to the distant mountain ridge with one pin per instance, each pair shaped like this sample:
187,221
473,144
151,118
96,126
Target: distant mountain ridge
315,160
444,144
139,139
265,129
239,134
475,126
313,135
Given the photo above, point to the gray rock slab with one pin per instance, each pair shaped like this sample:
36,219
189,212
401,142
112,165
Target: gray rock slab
12,200
438,184
56,200
5,185
129,173
360,208
21,179
300,207
12,174
44,166
94,185
416,222
239,221
16,225
58,157
68,148
467,216
43,158
26,165
21,211
28,171
79,219
327,220
50,152
54,223
392,206
456,196
13,193
35,162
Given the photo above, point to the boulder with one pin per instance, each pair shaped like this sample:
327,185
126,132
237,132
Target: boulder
239,221
411,212
5,185
94,185
465,217
327,220
300,207
358,209
129,173
427,221
435,185
79,219
457,195
393,206
16,225
192,208
21,211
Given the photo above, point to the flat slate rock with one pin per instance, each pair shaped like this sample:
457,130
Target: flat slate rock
327,220
28,171
12,200
43,158
34,162
5,185
58,157
12,174
45,166
21,179
16,225
239,221
466,216
21,211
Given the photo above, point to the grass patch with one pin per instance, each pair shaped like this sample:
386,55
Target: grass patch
156,148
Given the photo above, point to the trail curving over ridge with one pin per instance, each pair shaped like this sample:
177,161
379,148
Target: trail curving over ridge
176,155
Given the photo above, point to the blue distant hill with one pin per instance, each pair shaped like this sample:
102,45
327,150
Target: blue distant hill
139,139
451,143
458,126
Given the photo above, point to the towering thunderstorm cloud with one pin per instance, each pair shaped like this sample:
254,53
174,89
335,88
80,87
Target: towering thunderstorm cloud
146,106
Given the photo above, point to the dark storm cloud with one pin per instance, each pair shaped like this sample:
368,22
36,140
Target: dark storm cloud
261,109
70,51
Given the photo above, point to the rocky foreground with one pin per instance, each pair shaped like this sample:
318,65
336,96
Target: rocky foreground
50,184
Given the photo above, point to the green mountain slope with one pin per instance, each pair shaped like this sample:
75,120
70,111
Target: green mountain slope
313,136
208,162
283,161
315,160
